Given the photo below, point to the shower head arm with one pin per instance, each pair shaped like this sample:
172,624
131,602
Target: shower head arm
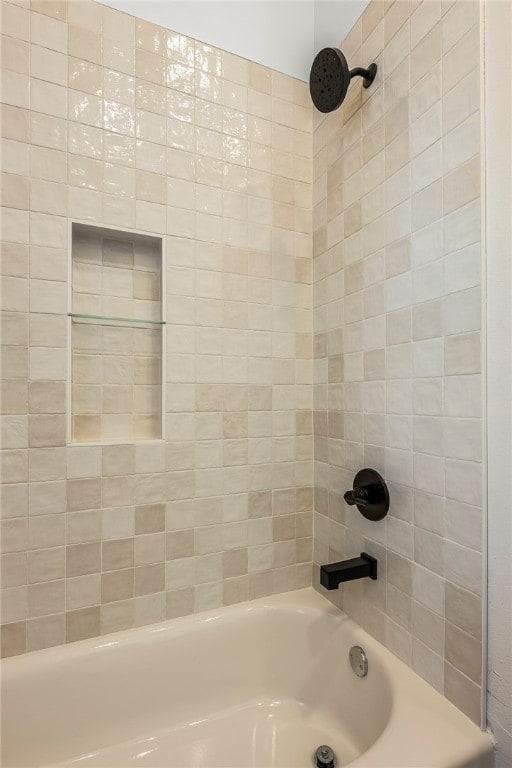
368,75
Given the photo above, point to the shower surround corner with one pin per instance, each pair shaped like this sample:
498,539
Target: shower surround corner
323,301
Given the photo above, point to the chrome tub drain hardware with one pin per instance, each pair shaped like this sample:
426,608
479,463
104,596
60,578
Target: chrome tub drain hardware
358,661
324,757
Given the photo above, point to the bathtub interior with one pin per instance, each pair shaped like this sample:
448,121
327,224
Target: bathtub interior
261,685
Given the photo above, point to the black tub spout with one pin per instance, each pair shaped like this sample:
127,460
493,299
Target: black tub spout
332,575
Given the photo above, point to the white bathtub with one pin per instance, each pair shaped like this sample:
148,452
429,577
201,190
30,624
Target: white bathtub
258,684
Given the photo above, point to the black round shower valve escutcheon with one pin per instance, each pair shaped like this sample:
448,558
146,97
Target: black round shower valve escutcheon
369,494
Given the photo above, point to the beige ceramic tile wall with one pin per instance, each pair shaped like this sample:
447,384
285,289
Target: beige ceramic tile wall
125,124
397,340
117,122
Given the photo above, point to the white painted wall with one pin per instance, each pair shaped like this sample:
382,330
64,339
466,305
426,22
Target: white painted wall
498,158
281,34
334,19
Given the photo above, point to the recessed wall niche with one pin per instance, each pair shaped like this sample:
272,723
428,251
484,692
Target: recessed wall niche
117,328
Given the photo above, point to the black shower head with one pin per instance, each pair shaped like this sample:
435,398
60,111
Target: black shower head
330,77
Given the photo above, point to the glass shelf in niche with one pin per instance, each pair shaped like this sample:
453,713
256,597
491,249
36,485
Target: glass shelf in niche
77,317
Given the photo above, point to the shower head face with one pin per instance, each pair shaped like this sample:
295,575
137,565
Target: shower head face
329,79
